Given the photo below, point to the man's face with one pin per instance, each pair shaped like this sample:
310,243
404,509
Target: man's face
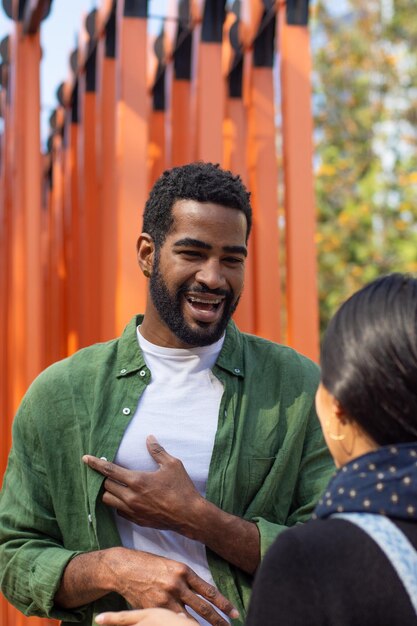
197,275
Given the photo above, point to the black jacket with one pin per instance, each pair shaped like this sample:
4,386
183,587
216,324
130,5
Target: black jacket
329,572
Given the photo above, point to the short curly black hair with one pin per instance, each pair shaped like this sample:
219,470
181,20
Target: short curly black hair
202,182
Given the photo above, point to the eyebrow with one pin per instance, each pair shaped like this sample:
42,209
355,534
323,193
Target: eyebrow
196,243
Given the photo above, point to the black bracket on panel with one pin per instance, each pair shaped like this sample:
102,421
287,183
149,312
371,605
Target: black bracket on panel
213,18
135,8
158,90
32,17
90,69
8,9
75,111
264,44
183,43
182,54
5,49
90,64
235,78
297,12
111,35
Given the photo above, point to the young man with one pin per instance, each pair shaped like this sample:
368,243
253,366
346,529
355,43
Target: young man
206,437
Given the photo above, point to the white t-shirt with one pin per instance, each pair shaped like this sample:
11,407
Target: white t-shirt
180,407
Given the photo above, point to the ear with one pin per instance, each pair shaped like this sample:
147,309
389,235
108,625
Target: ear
145,249
340,412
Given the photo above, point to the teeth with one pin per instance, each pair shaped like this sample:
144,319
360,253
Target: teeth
194,299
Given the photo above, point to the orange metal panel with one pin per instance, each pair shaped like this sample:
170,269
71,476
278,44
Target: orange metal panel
72,227
182,130
235,143
89,219
32,209
181,98
47,269
57,301
4,280
17,339
23,155
106,163
263,176
157,151
299,193
210,102
132,174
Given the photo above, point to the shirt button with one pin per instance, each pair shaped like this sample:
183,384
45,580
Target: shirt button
237,370
90,519
103,458
126,411
142,373
123,371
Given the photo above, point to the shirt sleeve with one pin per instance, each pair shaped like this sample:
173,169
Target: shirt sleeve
315,470
32,555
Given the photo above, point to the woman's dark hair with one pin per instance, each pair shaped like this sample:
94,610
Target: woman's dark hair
369,358
202,182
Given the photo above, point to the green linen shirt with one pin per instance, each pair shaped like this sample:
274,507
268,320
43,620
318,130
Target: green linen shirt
269,462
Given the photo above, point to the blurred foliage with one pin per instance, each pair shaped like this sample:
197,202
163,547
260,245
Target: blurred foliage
366,143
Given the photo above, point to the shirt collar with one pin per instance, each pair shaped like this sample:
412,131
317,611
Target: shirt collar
129,355
231,355
130,358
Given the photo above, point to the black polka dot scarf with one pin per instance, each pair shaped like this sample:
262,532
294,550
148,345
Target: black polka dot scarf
383,482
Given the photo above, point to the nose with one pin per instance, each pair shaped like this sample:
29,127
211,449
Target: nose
211,275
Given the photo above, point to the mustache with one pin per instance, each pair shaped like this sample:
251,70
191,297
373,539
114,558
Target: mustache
203,289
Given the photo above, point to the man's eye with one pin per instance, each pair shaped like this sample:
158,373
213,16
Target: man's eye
233,260
190,253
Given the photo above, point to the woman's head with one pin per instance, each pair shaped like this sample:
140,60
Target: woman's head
369,359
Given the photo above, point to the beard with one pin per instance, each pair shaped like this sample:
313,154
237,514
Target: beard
169,308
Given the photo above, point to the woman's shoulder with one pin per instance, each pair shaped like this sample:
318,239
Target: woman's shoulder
320,560
321,535
333,537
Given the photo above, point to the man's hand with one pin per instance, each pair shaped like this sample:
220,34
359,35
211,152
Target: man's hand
163,499
146,617
167,499
144,580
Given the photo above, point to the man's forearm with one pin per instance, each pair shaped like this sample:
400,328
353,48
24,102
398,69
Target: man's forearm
144,580
234,539
86,578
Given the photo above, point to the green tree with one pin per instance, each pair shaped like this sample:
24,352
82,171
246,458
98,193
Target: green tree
365,102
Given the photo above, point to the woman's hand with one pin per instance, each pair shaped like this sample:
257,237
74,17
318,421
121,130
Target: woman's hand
144,617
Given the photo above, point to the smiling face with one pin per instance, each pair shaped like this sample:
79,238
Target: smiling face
196,275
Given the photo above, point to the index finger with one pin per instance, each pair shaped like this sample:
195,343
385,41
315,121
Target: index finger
119,618
162,617
109,469
212,594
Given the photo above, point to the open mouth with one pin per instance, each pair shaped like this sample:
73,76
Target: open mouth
205,307
205,304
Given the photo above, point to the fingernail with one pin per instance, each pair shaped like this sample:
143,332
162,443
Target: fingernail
84,458
152,439
99,619
234,614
